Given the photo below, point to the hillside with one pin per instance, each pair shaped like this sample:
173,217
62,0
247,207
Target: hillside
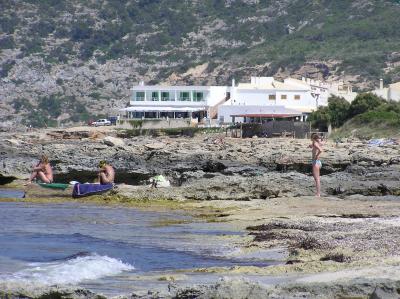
69,60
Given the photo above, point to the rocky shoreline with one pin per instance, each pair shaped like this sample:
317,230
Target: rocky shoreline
342,245
204,167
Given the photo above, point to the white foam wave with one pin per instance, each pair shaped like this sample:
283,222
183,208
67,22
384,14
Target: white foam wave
69,272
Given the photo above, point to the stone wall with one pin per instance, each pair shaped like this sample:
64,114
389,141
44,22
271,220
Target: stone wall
156,123
276,128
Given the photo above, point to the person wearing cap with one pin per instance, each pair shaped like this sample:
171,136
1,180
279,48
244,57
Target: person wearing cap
106,173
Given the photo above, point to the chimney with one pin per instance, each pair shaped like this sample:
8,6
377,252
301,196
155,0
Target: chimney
141,83
233,82
303,79
380,83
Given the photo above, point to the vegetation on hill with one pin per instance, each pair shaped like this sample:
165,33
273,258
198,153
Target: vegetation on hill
361,35
163,39
368,115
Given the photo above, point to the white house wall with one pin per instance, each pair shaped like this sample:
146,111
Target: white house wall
225,112
212,95
383,93
394,94
217,95
261,97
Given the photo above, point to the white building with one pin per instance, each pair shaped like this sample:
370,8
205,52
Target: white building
343,90
160,101
324,90
320,91
291,97
390,93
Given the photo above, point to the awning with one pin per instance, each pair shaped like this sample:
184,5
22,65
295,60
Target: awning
267,111
267,115
163,109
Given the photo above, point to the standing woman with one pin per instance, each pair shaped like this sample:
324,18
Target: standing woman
42,171
316,146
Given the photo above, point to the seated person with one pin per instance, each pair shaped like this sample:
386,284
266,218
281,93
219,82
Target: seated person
106,174
42,171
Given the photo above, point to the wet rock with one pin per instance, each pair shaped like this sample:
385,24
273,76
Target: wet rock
49,292
385,293
356,169
232,288
336,257
213,166
394,160
242,288
265,192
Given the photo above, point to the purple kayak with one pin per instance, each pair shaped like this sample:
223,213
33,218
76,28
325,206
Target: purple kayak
81,190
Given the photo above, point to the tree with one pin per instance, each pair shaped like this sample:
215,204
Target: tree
81,30
336,113
320,119
338,110
51,106
363,103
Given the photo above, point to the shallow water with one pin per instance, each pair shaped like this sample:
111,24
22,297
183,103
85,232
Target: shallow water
11,193
103,247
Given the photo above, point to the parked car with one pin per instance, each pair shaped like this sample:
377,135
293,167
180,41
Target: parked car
101,122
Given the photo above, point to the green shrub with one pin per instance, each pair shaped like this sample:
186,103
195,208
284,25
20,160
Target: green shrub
7,42
81,30
81,115
136,123
6,67
43,28
338,111
21,104
51,106
38,119
363,103
320,119
95,95
371,117
32,45
388,113
8,24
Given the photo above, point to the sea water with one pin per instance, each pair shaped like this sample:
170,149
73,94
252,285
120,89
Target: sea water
101,247
11,193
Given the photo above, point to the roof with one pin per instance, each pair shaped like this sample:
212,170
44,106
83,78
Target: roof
262,111
395,85
297,82
304,109
305,84
267,115
175,87
273,85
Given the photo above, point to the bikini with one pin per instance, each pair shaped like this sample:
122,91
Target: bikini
317,162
